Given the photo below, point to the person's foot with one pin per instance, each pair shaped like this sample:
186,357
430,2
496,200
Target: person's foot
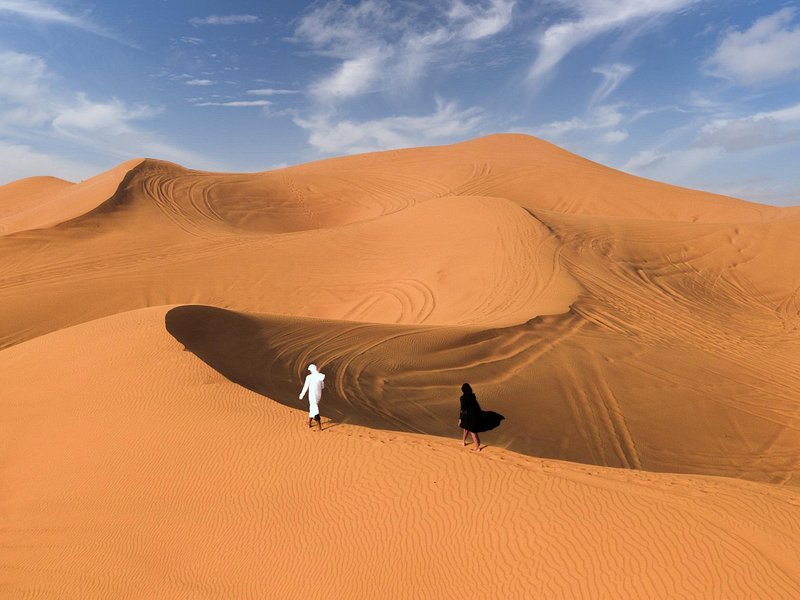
478,449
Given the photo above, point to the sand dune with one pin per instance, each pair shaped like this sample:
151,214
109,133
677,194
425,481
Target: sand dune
161,478
24,194
613,321
672,345
40,202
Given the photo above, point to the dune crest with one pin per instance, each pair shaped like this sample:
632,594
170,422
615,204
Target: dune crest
42,202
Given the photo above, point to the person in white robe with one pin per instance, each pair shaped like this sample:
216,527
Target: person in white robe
315,383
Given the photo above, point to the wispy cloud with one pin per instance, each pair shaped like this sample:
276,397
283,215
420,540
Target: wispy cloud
41,11
481,20
236,103
271,92
346,136
44,12
613,76
224,20
200,82
113,116
385,46
353,77
20,160
592,18
601,123
33,109
769,128
713,152
22,76
768,51
671,165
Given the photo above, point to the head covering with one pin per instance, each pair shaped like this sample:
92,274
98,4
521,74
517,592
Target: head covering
466,389
312,368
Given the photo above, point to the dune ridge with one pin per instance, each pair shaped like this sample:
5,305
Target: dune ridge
156,323
43,202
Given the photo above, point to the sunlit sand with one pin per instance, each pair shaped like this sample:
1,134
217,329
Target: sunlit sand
641,340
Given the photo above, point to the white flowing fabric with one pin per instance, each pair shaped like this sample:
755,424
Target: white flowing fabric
315,382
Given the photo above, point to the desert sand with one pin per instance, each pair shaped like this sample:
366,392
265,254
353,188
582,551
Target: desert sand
640,339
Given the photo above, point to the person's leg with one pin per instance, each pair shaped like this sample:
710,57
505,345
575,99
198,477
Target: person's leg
309,422
464,437
318,419
477,441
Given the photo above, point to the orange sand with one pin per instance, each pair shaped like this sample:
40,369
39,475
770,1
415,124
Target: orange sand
614,321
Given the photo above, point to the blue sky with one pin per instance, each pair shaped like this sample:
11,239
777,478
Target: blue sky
701,93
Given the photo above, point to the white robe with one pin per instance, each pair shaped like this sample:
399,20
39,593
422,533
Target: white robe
315,382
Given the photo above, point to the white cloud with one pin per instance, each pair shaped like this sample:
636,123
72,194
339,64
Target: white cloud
673,166
236,103
770,128
480,21
353,77
22,76
40,11
44,12
20,160
32,110
598,119
199,82
594,17
644,159
271,92
112,117
224,20
713,170
384,46
447,123
614,136
766,190
613,76
768,51
23,84
339,30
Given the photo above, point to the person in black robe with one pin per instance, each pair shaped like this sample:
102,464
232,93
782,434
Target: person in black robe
470,417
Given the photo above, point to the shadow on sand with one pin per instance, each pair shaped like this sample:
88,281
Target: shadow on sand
237,346
269,354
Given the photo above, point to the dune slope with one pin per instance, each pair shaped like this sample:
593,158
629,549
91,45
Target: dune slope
613,320
132,469
41,202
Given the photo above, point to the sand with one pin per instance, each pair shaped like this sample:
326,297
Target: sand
156,324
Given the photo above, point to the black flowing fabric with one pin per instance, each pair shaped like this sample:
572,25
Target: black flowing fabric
474,419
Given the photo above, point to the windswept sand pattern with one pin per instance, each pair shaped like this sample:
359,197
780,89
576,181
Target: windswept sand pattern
156,324
568,388
248,494
415,301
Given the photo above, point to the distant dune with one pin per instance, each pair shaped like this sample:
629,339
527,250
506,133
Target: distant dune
154,319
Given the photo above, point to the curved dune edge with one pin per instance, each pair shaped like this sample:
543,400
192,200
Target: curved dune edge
447,261
42,202
569,388
22,194
157,477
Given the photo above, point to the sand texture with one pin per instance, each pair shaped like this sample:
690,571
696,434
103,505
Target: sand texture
156,323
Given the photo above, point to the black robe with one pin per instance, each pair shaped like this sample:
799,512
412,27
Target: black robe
470,412
473,418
